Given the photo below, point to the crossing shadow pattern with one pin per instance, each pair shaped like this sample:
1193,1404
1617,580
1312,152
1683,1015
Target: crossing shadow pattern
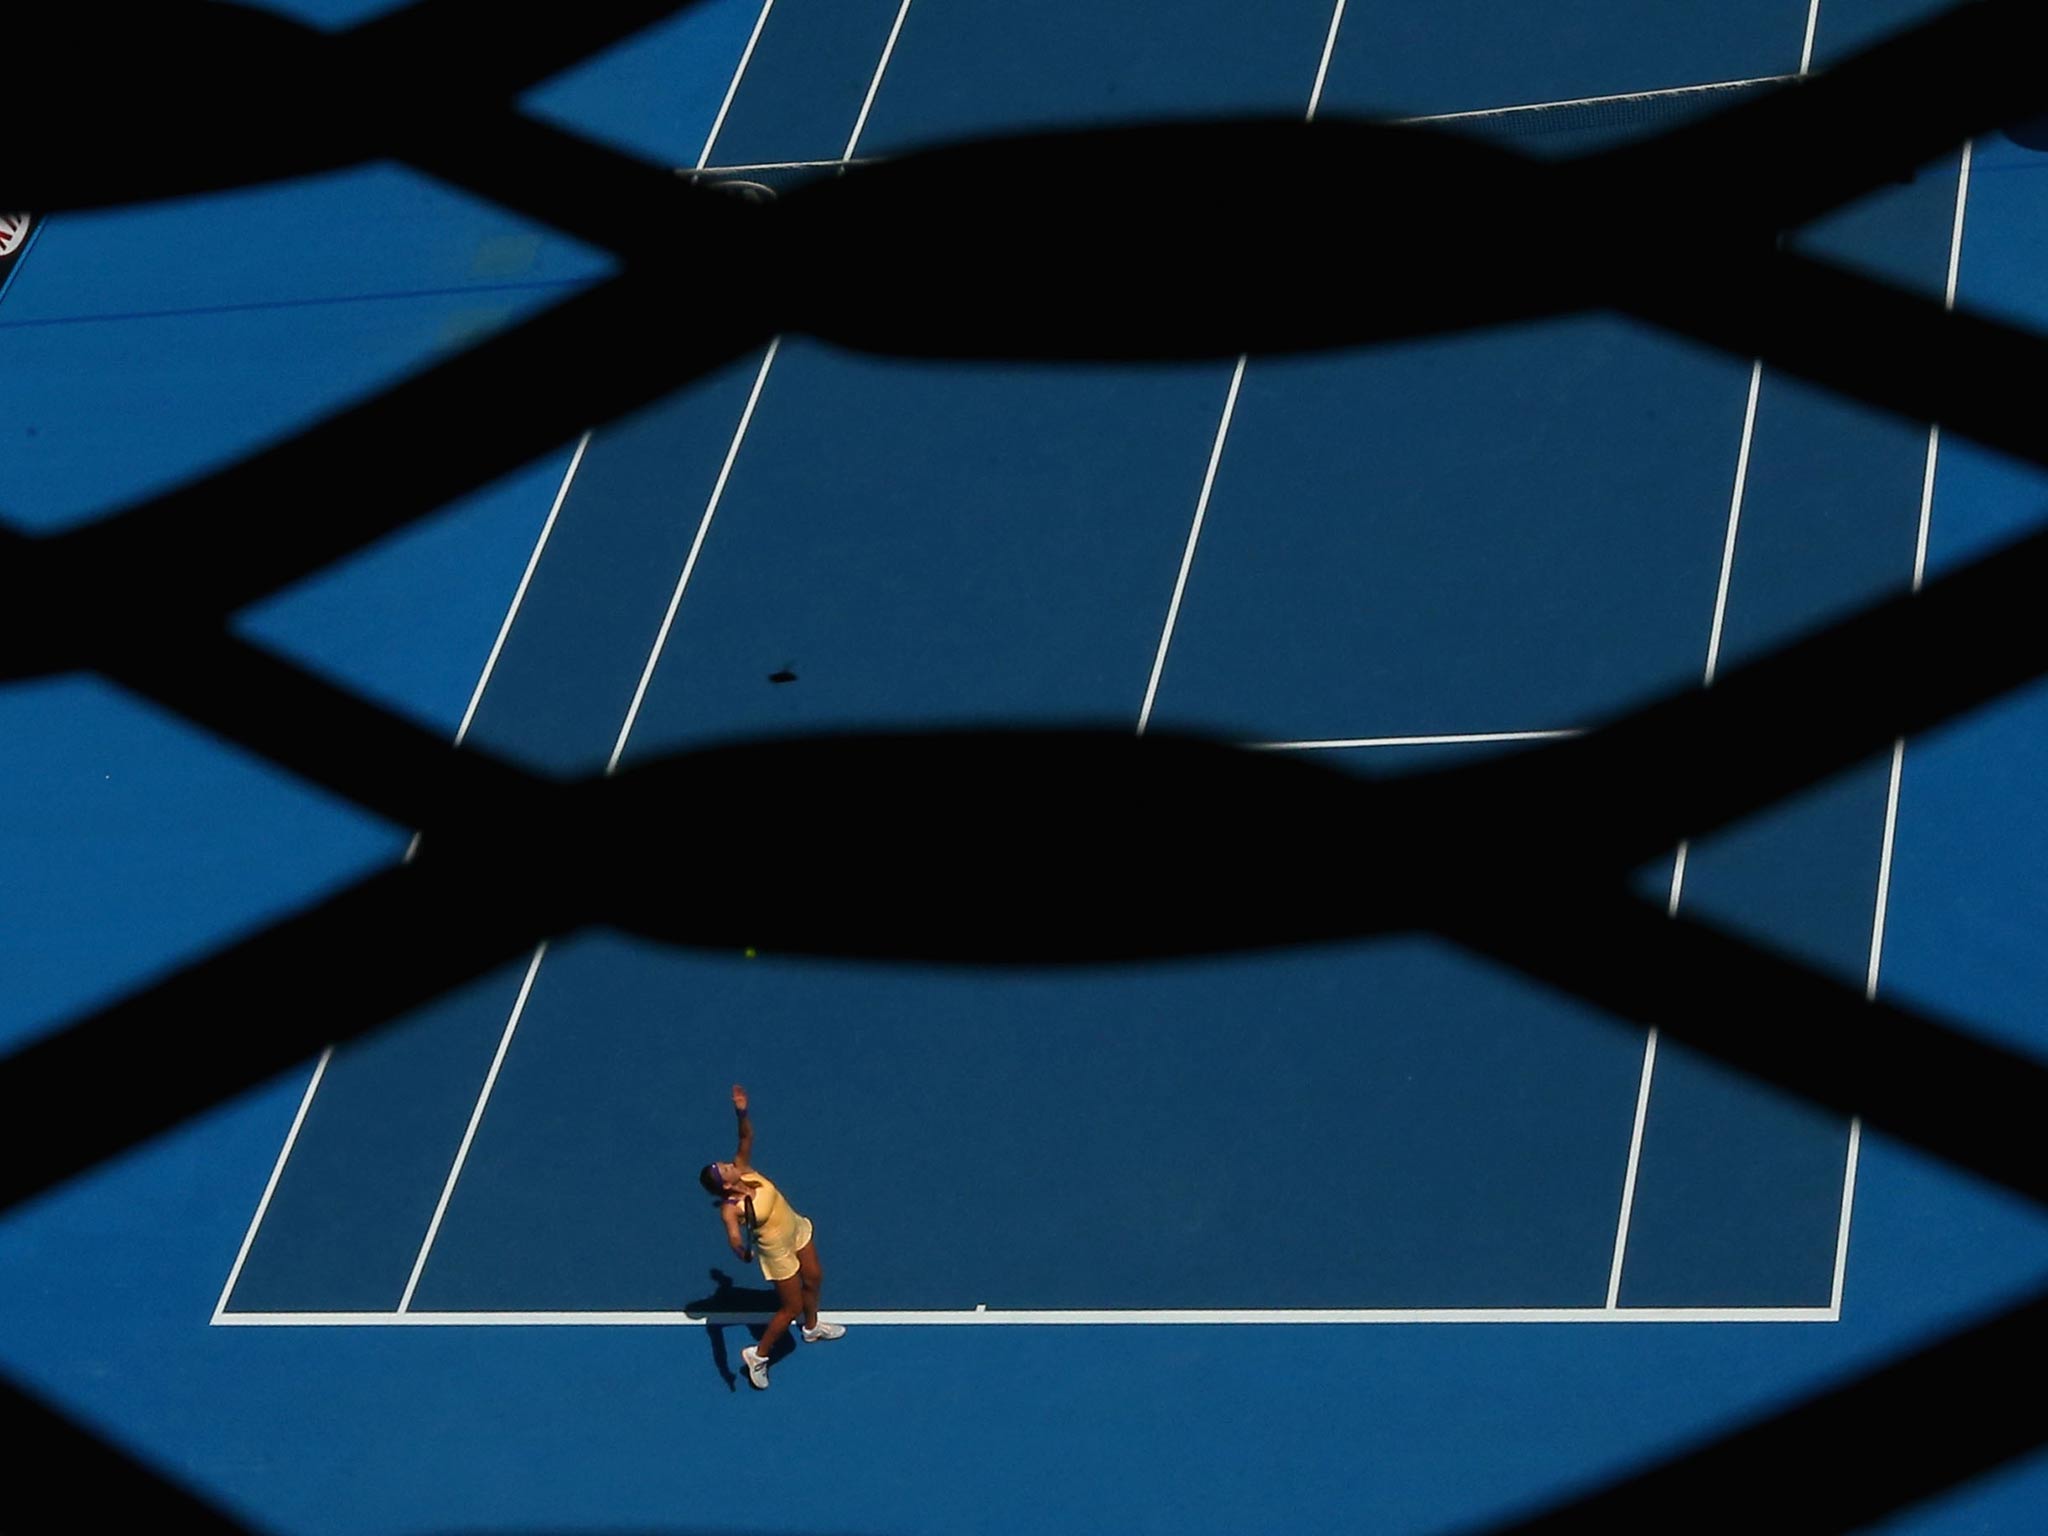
935,847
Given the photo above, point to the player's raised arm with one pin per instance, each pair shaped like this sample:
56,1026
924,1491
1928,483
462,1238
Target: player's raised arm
744,1155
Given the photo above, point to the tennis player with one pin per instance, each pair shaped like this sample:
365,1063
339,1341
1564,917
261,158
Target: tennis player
759,1221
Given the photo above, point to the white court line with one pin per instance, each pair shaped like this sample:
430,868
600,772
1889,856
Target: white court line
1955,256
778,165
1315,104
1812,27
733,89
1842,1227
1679,859
1187,557
270,1188
1955,240
1660,94
875,84
1756,374
1628,1183
476,1116
675,600
1410,741
1642,1115
483,680
1756,377
476,695
1315,95
983,1317
1882,907
1891,813
1927,482
739,436
1884,865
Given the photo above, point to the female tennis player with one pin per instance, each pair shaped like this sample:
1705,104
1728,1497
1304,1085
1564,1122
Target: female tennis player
752,1207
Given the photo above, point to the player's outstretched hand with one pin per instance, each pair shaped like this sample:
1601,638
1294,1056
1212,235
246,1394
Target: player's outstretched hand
739,1098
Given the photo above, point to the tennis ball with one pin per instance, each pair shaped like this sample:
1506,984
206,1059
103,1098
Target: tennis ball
750,951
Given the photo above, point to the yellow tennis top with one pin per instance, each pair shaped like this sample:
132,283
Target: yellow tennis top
779,1232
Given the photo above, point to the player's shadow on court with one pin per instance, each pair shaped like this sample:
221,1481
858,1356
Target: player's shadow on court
730,1306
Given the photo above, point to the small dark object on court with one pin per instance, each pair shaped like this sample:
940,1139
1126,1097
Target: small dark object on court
786,675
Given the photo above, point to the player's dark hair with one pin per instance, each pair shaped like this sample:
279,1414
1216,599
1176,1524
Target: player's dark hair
714,1186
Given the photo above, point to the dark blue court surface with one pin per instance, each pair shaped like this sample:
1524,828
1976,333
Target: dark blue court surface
455,1276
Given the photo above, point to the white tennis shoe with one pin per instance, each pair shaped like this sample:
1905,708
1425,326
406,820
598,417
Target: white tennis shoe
824,1331
757,1368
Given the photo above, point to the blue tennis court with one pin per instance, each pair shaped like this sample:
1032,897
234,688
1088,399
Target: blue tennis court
1370,1235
